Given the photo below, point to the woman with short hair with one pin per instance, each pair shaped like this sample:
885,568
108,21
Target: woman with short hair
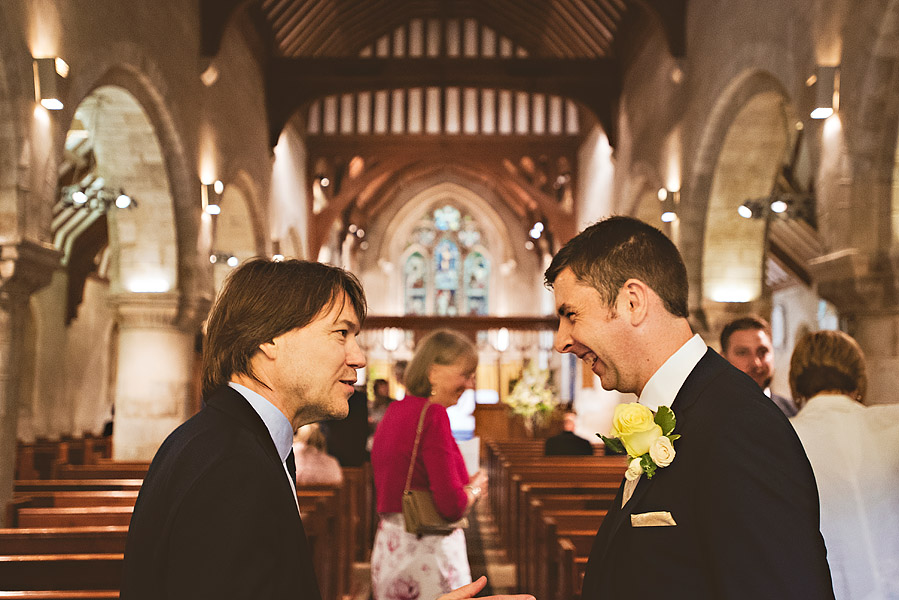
854,451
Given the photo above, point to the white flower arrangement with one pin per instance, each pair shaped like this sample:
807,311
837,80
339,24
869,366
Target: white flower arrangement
532,397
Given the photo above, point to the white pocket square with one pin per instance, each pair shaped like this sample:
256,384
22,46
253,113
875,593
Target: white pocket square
661,518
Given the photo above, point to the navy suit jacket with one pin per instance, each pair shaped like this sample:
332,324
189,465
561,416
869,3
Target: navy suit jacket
742,494
215,517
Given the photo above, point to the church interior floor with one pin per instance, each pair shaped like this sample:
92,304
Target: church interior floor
485,555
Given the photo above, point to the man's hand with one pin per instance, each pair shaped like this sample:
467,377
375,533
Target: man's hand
469,591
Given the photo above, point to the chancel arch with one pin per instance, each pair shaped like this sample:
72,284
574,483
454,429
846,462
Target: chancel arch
486,236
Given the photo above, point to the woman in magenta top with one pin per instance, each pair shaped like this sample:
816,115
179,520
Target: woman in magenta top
404,565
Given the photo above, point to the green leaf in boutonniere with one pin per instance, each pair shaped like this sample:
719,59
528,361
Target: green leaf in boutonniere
649,467
613,444
664,418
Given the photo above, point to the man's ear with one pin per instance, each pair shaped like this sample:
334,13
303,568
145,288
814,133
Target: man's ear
634,299
269,349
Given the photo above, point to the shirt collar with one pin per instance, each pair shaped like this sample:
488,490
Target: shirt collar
666,382
277,424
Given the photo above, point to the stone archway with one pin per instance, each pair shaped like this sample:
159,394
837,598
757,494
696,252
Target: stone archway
234,236
748,137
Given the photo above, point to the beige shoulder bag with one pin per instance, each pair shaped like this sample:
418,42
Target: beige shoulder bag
419,512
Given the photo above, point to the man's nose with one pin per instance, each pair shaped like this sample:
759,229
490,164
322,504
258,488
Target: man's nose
562,339
355,356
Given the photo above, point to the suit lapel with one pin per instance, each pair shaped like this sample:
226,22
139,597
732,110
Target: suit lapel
705,369
231,402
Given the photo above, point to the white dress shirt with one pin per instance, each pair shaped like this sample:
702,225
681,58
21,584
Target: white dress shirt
278,427
663,386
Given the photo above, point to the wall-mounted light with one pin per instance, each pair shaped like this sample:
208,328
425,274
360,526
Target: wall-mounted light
826,83
92,193
49,76
669,199
211,195
223,257
780,205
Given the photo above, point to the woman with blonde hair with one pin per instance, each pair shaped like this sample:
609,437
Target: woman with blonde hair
854,451
405,565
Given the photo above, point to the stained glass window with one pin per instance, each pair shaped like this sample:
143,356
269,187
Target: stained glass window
448,272
477,273
415,284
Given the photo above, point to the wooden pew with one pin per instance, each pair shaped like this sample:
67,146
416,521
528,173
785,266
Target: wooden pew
77,516
530,518
60,595
102,470
61,571
553,526
27,486
602,471
63,540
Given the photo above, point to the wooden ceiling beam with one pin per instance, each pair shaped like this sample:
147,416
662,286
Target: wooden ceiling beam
293,83
446,146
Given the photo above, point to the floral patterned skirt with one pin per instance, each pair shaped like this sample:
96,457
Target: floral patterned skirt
406,567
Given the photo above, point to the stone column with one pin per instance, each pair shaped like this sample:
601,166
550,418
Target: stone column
865,290
25,267
154,384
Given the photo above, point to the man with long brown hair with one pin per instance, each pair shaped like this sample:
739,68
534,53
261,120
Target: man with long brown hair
217,515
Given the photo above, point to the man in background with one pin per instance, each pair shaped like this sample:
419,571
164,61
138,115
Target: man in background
567,443
746,344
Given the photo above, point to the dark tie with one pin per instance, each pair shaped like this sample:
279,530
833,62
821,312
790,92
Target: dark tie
291,465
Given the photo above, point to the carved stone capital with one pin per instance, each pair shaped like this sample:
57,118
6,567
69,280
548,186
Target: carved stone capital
159,311
856,282
25,267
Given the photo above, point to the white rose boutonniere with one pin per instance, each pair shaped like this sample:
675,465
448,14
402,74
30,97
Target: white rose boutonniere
645,435
634,470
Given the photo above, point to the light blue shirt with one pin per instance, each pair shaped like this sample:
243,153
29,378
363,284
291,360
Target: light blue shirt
279,428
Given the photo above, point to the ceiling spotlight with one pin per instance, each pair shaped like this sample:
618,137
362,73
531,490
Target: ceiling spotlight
213,209
668,216
538,226
233,261
744,211
277,257
123,201
213,258
324,182
529,245
534,233
218,187
79,197
662,194
778,206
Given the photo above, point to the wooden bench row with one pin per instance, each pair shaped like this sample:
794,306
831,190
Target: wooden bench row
88,518
39,459
548,510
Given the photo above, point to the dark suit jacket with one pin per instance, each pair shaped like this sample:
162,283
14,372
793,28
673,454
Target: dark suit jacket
567,444
215,517
744,498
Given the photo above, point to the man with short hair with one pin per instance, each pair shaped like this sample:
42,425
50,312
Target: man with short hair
746,344
567,443
217,515
732,509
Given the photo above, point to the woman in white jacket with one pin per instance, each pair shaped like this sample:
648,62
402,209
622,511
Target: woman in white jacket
854,451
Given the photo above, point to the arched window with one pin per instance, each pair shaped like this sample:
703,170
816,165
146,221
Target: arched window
448,273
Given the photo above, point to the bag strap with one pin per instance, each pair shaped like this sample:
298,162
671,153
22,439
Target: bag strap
421,422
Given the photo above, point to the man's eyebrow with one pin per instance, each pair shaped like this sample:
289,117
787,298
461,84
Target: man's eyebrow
348,323
563,309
